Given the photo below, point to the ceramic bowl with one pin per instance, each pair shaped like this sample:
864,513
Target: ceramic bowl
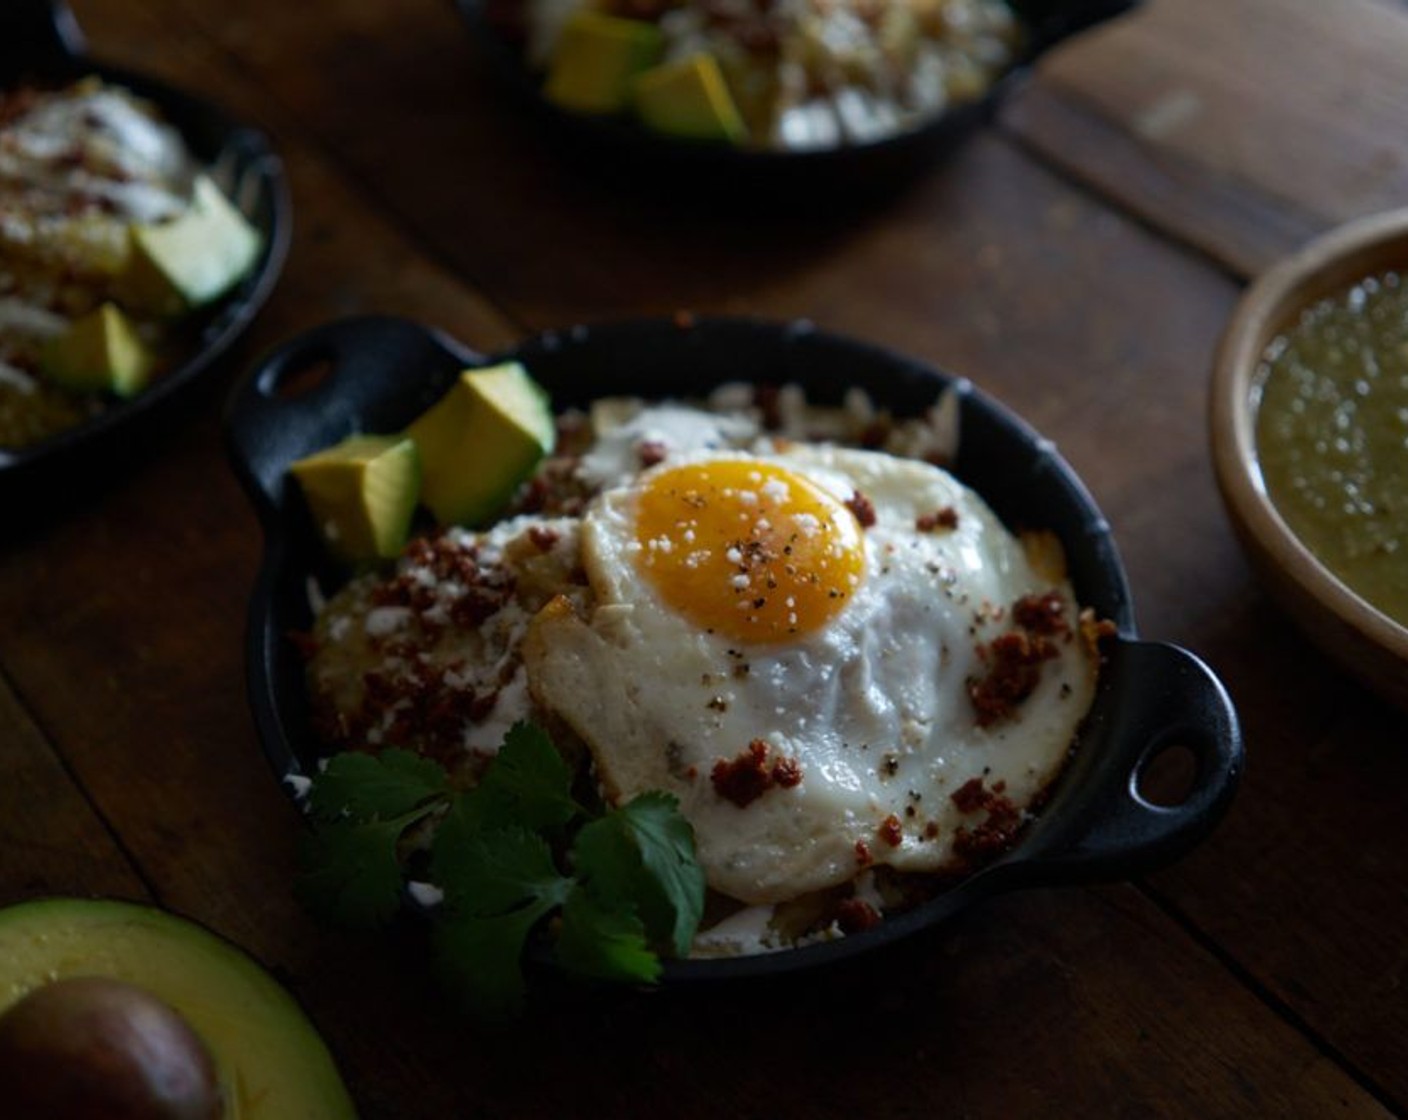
379,373
1361,638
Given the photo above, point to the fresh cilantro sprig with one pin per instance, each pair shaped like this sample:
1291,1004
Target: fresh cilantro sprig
512,855
361,806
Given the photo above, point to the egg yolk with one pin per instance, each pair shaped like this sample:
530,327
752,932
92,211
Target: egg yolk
748,549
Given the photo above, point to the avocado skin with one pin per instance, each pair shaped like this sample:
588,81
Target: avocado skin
271,1061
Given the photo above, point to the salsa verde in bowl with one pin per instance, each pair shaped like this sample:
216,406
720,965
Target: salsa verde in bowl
1309,429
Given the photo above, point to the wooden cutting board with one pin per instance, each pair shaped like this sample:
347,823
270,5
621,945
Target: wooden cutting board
1220,139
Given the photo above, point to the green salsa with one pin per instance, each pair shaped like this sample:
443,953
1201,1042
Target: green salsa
1332,436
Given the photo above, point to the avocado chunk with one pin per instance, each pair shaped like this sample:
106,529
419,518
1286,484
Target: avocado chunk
91,1048
596,58
480,441
193,259
689,99
100,352
270,1063
362,494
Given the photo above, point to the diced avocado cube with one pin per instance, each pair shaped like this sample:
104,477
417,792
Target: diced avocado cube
99,353
596,59
362,494
689,99
193,259
480,441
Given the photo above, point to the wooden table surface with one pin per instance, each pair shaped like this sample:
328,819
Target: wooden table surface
1077,259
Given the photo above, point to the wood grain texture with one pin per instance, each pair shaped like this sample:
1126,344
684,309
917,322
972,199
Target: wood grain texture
1239,126
53,842
1259,976
1002,1013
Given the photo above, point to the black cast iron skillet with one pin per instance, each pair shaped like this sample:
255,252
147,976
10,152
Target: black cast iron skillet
378,373
746,175
40,42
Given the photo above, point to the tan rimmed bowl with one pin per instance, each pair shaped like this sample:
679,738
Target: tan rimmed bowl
1360,637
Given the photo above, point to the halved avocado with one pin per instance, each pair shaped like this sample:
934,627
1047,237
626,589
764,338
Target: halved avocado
90,1048
270,1061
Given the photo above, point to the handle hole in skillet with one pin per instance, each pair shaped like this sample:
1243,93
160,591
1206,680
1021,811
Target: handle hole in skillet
302,375
1167,775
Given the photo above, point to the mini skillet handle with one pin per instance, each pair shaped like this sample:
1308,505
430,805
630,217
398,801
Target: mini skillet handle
356,367
33,32
1164,697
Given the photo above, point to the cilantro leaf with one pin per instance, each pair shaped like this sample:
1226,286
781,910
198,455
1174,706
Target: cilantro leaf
454,859
364,786
641,855
488,871
480,958
605,943
527,784
634,883
498,885
351,871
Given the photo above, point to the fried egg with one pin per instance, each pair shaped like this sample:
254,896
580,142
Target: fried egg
836,659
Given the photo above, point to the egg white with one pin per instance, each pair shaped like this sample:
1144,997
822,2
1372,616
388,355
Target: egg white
873,706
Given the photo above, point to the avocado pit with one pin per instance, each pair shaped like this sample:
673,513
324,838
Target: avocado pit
93,1047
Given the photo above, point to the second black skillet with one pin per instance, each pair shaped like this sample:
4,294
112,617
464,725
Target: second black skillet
41,44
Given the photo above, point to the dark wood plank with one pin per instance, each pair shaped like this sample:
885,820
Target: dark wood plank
53,842
1017,1008
1240,126
1241,233
1313,909
1096,330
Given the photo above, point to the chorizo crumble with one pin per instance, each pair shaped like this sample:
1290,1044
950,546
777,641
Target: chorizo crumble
946,518
862,507
445,582
997,831
747,777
